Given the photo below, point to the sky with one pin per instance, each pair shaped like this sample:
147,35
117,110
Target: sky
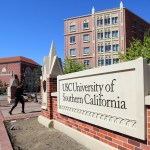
27,27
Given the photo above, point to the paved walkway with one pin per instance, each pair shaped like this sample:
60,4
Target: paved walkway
3,97
32,109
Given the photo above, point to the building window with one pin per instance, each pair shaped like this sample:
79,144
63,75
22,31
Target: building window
87,63
134,24
115,34
115,60
28,72
107,48
100,35
108,62
72,39
100,49
4,71
116,47
107,34
34,73
100,22
134,35
107,21
101,62
141,28
114,20
72,52
72,28
85,24
86,50
86,38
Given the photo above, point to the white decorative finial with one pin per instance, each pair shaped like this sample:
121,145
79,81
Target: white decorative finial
121,4
52,52
93,10
54,65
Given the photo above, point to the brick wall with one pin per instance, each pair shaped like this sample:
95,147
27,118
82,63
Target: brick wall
51,87
115,139
79,43
5,78
15,67
134,30
18,69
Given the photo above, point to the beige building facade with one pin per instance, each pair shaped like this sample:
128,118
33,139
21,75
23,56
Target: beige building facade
96,39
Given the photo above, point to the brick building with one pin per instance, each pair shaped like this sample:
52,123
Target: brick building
20,67
96,39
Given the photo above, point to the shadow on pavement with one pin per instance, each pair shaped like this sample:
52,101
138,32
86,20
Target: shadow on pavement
34,111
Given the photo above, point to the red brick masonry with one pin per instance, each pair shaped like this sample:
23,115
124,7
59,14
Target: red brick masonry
115,139
4,139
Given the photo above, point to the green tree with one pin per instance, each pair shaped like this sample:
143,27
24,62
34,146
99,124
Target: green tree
72,66
1,83
5,85
26,85
138,49
38,73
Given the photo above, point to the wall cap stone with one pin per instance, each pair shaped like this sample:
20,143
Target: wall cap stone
147,100
54,94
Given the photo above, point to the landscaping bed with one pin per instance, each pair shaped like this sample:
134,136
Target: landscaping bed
28,134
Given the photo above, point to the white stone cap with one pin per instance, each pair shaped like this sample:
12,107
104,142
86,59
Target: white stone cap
44,107
54,94
40,77
147,100
52,64
93,10
121,4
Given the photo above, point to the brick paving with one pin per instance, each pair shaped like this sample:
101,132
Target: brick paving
32,110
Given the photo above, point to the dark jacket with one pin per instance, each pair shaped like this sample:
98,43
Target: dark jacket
19,93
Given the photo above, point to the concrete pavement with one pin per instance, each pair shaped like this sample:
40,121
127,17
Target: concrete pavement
3,97
31,109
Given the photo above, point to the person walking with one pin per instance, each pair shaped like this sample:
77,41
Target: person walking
18,97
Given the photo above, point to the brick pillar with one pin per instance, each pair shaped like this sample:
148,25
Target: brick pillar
51,88
51,69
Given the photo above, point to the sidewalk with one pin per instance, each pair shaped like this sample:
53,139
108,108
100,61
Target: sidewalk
32,109
3,97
